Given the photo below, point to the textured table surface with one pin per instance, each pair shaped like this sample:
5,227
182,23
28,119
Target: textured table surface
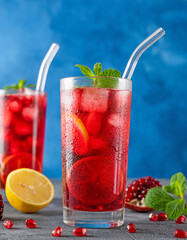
51,217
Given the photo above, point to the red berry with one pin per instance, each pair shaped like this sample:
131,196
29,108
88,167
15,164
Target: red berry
8,224
1,206
162,217
181,219
153,217
30,223
179,233
57,232
138,188
131,227
80,232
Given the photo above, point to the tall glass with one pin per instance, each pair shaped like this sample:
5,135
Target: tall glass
22,130
95,125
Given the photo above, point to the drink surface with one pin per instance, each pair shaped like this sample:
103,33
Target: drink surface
95,138
22,129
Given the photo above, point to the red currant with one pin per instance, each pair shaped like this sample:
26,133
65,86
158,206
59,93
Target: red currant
8,224
153,217
57,232
131,228
80,232
30,223
162,217
180,233
181,219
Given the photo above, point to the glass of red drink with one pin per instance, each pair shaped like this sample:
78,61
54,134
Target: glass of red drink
22,130
95,138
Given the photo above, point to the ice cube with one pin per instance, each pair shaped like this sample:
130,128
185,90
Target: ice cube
94,100
122,99
70,99
115,120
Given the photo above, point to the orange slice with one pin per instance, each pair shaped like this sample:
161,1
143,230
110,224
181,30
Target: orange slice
74,134
95,180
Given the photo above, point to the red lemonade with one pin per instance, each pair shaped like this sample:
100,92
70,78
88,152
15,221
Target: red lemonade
95,137
22,129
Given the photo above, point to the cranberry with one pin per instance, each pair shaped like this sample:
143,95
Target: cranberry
8,224
181,219
180,233
131,227
1,206
162,217
30,223
153,217
138,188
57,232
80,232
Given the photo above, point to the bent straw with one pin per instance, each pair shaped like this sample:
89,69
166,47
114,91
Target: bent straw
45,67
139,50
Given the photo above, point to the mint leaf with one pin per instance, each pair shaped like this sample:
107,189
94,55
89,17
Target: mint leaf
97,69
175,208
30,86
185,211
157,198
85,70
107,82
178,184
111,73
21,83
168,189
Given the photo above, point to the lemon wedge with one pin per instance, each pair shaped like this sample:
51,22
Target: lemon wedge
28,190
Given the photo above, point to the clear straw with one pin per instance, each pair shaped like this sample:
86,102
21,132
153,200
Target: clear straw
45,67
139,50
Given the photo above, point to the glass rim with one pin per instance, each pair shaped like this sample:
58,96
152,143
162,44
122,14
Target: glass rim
69,80
19,93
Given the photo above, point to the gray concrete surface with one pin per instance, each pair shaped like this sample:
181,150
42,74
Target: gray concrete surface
51,217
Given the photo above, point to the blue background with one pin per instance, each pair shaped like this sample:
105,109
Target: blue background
107,31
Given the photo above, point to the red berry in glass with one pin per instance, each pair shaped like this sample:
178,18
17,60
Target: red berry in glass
57,232
131,228
8,224
179,233
153,217
95,137
22,128
162,217
80,232
181,219
30,223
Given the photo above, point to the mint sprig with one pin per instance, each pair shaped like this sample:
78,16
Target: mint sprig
21,84
169,198
97,72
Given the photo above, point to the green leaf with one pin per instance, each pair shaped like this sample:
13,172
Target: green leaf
21,83
157,198
97,69
13,87
111,73
106,82
30,86
85,70
178,184
185,211
168,189
175,208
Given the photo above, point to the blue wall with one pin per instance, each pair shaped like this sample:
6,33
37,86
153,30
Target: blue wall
107,31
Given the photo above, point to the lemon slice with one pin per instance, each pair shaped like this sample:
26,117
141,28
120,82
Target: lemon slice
28,190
